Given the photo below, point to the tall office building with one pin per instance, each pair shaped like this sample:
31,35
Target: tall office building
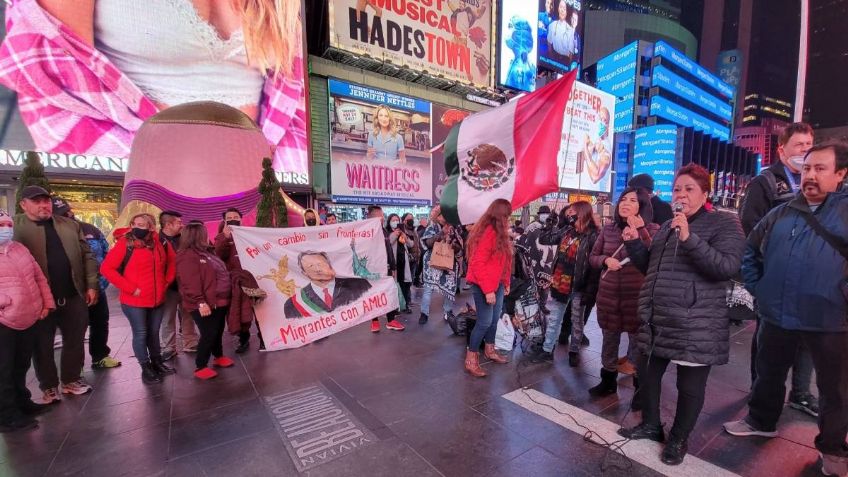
827,65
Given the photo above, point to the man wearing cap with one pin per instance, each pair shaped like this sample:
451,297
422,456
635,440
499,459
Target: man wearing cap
662,211
59,247
98,313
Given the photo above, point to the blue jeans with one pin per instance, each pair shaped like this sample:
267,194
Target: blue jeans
487,317
145,323
555,319
427,296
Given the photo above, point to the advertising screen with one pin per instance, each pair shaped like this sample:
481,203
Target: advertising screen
143,63
560,33
448,38
617,76
667,109
444,118
674,83
380,146
664,50
518,47
655,154
585,155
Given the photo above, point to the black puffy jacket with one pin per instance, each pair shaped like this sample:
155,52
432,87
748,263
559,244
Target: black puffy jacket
683,302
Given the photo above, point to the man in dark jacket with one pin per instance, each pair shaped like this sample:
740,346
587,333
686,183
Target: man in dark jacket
662,211
59,247
775,186
795,266
170,226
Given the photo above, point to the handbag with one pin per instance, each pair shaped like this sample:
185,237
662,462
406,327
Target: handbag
442,257
834,242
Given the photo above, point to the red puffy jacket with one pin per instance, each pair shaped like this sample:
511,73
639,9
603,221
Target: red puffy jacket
486,268
151,270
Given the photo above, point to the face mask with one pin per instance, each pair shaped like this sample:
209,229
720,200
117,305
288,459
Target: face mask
410,223
140,234
310,222
543,217
571,220
6,234
797,162
234,222
602,130
394,224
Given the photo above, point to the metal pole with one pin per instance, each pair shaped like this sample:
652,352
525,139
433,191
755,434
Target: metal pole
801,84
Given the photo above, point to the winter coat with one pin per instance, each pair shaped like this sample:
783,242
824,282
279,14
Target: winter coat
151,269
794,274
661,210
197,279
760,197
24,290
487,268
225,249
240,314
585,279
83,263
683,302
99,248
618,293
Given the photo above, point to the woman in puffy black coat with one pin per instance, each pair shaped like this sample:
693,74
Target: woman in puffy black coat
682,306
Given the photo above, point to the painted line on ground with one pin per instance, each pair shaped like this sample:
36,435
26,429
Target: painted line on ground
646,453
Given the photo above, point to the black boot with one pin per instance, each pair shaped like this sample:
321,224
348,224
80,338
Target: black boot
29,408
674,451
636,403
160,368
643,431
607,386
423,319
243,347
148,375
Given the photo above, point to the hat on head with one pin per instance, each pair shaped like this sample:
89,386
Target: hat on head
642,180
544,209
60,206
5,217
33,191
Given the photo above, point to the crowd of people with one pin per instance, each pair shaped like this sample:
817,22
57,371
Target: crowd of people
660,275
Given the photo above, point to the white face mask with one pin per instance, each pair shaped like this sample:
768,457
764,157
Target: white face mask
6,234
394,224
543,217
797,162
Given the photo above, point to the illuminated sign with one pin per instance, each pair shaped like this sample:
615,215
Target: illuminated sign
662,49
518,45
58,162
617,75
655,154
674,83
667,109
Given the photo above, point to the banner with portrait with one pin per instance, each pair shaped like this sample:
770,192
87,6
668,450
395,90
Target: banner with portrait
318,280
380,146
449,38
586,153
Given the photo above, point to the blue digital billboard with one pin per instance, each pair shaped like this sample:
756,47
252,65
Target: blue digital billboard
617,75
655,154
674,83
664,50
667,109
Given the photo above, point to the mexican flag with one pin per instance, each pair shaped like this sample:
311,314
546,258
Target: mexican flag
509,152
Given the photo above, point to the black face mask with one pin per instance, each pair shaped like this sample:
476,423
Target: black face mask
140,234
571,220
310,222
410,223
234,222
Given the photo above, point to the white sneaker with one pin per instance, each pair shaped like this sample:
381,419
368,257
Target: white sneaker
77,387
51,395
834,465
743,429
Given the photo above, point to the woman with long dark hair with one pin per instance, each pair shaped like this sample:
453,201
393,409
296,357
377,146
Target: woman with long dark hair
402,249
683,306
621,281
570,277
142,268
489,268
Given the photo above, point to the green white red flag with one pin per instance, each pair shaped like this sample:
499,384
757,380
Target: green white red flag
509,152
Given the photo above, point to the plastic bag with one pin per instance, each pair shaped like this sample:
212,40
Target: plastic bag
505,336
401,299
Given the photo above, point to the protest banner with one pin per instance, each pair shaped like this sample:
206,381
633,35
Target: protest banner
449,38
319,280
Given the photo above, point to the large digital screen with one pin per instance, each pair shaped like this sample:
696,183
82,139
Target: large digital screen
616,74
447,38
674,83
380,146
560,33
667,109
518,48
585,155
655,154
93,100
664,50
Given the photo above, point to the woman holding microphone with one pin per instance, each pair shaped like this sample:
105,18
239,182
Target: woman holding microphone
682,306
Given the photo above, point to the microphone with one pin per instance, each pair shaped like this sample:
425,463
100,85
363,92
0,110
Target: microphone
677,207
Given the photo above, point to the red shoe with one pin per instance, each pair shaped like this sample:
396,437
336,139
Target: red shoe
395,325
223,362
375,326
205,373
